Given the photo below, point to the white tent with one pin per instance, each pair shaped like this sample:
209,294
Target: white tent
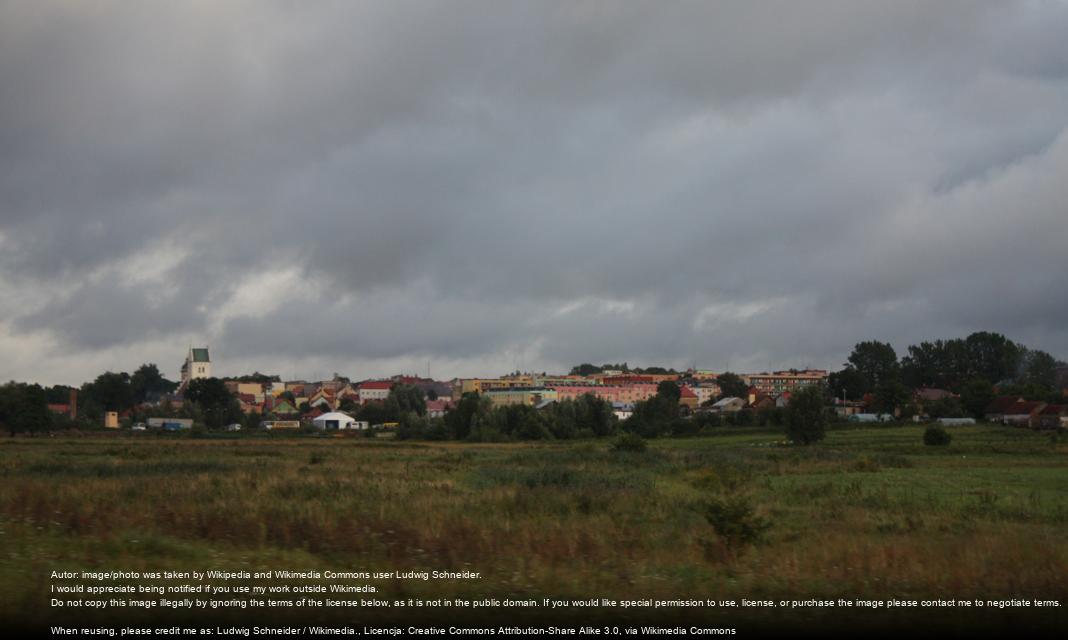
333,420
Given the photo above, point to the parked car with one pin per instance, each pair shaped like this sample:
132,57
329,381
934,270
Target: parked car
140,426
233,427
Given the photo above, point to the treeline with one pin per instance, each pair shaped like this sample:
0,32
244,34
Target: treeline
475,419
587,369
977,368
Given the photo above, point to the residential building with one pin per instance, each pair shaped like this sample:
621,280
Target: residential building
374,390
995,411
687,398
438,408
777,382
728,405
628,394
529,396
1023,413
705,392
1054,416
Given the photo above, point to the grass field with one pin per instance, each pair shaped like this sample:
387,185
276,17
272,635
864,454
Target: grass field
871,512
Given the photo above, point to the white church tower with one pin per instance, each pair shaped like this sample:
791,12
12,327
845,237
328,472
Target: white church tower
197,365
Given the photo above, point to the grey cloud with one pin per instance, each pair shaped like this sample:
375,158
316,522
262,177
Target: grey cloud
569,181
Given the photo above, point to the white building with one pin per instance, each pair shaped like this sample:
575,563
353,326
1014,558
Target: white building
335,420
197,365
374,390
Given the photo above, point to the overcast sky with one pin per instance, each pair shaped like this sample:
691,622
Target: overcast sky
311,187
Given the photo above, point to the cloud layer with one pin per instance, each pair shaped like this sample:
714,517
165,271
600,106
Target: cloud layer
484,186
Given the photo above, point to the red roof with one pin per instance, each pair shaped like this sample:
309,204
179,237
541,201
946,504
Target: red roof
686,392
1054,410
1023,408
1001,404
376,384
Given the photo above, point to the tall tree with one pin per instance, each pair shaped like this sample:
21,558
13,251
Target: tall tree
975,396
876,363
991,356
214,400
405,398
669,390
847,384
1038,369
147,383
111,391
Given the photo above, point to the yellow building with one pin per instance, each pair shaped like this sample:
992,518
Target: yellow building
482,385
529,396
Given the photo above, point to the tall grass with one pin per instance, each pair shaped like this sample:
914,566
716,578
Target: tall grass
870,512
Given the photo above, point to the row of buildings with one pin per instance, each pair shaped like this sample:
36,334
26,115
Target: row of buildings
623,389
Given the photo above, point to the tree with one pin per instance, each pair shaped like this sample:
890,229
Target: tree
991,356
467,412
669,390
1038,369
24,408
111,391
406,397
585,369
890,395
731,385
214,400
804,416
148,383
975,396
261,378
847,384
876,363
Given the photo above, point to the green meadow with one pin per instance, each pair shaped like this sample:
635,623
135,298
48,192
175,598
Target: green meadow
869,513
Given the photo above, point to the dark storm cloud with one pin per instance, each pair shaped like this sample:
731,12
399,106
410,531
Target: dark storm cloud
731,183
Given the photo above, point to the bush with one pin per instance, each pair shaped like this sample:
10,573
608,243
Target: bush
735,521
630,442
936,436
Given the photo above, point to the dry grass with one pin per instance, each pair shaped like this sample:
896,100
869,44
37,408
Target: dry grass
869,513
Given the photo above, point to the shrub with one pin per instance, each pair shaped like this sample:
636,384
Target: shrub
735,521
936,436
629,442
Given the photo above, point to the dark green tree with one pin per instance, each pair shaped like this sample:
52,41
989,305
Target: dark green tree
731,385
111,391
876,363
407,397
805,417
585,369
669,390
847,384
975,396
24,408
1038,369
214,400
148,383
890,395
